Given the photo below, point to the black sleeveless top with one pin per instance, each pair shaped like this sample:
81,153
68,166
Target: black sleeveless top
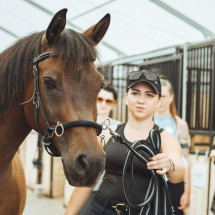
116,154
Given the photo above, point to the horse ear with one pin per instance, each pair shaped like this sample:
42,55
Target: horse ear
97,31
55,27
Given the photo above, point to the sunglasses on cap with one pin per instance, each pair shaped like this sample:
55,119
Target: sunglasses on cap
136,75
107,101
147,76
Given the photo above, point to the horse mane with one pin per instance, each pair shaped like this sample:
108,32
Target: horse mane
16,62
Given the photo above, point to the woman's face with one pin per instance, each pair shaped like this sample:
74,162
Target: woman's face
105,103
141,100
165,100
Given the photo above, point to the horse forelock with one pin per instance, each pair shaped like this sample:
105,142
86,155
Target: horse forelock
72,47
75,49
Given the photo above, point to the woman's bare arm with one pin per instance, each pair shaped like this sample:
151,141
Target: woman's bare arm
169,160
212,155
77,200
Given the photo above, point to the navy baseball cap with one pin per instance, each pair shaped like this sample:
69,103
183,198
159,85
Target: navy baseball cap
147,76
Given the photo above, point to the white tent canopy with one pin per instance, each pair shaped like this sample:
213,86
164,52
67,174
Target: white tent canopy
137,26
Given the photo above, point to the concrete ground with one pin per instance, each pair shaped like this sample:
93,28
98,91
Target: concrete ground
43,205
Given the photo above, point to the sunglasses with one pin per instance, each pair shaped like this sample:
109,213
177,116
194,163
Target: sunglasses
107,101
136,75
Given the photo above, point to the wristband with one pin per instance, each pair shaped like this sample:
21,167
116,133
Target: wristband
172,167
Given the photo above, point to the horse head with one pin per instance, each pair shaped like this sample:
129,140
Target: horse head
65,84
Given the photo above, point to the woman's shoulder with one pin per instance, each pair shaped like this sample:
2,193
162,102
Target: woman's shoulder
181,122
167,137
168,142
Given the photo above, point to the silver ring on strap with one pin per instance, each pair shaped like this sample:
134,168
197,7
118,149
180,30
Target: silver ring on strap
59,125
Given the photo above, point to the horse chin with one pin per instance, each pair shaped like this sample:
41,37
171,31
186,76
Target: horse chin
87,180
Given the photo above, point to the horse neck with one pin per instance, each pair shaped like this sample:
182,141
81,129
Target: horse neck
13,130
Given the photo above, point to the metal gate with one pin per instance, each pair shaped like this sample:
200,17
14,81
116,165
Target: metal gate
200,93
201,89
117,75
171,67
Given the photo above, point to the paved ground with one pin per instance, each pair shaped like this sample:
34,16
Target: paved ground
43,205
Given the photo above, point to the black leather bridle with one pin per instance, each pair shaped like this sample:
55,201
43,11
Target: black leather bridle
58,130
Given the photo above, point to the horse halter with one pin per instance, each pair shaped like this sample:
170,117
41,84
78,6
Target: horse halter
58,130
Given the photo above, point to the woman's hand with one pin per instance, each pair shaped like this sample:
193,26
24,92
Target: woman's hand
161,162
184,201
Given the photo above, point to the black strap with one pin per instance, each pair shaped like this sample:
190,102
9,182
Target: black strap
42,57
51,148
121,207
85,123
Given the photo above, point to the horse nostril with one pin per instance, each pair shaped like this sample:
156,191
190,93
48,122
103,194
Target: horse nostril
81,165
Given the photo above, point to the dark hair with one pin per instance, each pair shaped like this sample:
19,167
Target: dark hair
110,88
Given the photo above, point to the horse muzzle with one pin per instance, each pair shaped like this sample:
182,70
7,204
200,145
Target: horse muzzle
84,170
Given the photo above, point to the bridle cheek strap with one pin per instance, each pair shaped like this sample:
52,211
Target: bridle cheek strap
59,128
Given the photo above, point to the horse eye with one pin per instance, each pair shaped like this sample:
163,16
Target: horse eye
49,83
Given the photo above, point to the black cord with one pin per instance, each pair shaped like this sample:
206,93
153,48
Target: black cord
144,151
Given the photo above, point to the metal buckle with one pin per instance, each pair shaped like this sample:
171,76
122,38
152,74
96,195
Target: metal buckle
116,208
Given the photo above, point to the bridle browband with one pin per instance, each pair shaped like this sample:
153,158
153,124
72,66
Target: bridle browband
58,130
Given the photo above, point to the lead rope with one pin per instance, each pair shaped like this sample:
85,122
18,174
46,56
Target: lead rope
143,151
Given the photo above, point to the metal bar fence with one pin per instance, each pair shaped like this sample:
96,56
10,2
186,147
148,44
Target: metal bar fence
200,99
198,88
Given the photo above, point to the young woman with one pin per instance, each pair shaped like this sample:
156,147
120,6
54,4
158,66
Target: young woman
166,117
106,100
143,92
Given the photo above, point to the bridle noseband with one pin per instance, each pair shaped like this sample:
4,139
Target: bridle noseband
58,130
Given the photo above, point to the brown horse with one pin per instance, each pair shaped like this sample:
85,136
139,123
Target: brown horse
57,91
